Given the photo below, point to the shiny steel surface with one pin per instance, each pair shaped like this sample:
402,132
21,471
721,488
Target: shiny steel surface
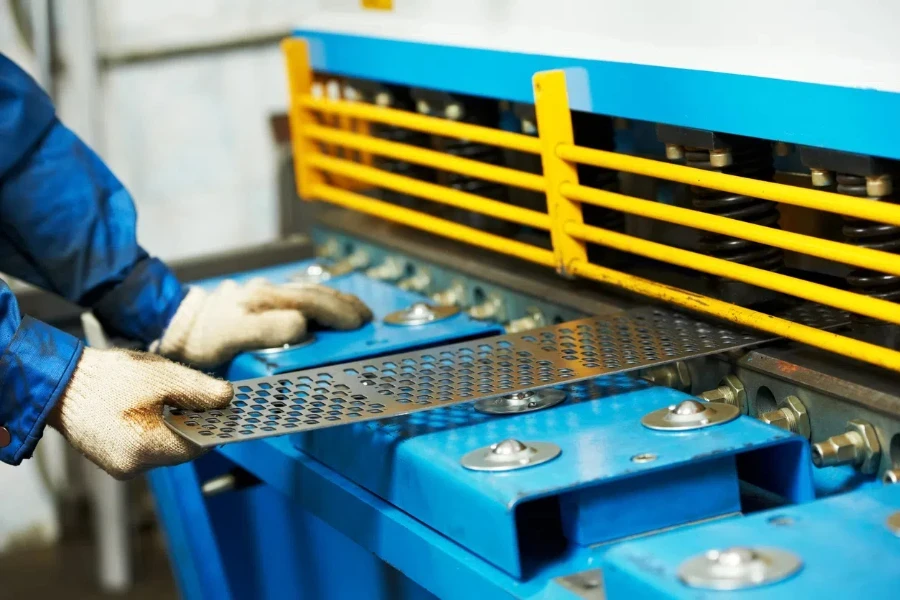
738,568
510,455
420,313
422,380
520,402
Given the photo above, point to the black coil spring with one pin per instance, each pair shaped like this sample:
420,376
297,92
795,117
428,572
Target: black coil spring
868,234
751,159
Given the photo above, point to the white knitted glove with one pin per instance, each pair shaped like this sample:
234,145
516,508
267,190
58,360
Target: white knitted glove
209,329
112,409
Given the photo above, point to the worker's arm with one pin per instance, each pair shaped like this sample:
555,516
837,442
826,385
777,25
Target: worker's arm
67,224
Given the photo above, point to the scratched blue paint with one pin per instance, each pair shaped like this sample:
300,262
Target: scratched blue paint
845,545
773,109
376,338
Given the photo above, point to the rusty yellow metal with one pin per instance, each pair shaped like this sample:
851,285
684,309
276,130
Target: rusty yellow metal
554,121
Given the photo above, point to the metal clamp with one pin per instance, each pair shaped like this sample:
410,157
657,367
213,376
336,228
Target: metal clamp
688,415
420,313
510,455
738,568
520,402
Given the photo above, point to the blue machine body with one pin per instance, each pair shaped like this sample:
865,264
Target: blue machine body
384,510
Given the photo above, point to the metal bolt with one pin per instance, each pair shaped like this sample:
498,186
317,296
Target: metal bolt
391,269
730,391
533,320
782,149
333,89
351,94
674,152
792,416
488,310
687,407
454,112
879,186
644,457
358,260
720,158
859,447
418,282
452,296
423,107
821,177
330,249
508,447
383,99
674,375
891,476
528,127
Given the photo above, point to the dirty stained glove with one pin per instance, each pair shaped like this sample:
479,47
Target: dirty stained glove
111,409
210,328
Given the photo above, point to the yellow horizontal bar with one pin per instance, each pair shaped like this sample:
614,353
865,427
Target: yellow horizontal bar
870,353
432,125
815,292
430,191
435,225
428,158
865,258
776,192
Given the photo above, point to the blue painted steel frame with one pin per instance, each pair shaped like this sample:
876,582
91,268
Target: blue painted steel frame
846,547
773,109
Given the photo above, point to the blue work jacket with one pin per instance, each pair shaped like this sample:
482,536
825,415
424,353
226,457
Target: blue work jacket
67,225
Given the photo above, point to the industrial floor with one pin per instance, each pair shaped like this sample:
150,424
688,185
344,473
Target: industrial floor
69,571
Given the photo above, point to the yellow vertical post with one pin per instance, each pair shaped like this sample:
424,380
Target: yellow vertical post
300,80
551,101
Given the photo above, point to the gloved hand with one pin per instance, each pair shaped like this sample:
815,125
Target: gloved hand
111,409
209,329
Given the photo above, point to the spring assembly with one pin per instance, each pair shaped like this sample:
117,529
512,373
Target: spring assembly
752,159
868,234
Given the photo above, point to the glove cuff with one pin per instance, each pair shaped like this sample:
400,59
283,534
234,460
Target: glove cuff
174,339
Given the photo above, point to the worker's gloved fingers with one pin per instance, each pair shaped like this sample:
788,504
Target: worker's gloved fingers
163,447
324,305
268,330
182,387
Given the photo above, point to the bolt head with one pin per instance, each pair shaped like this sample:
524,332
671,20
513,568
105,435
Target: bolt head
879,186
821,177
720,158
891,476
674,152
383,99
454,112
528,127
801,415
508,447
871,443
778,418
423,107
688,407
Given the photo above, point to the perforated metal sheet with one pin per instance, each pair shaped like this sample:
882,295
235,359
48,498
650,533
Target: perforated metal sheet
404,383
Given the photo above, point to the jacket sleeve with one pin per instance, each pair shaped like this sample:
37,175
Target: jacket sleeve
36,363
67,224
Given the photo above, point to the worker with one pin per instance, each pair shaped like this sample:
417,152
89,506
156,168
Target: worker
68,225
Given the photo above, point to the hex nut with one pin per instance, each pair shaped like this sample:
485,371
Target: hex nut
780,418
800,414
872,447
733,383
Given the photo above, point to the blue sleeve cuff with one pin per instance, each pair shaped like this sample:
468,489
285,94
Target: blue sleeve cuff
34,372
142,305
